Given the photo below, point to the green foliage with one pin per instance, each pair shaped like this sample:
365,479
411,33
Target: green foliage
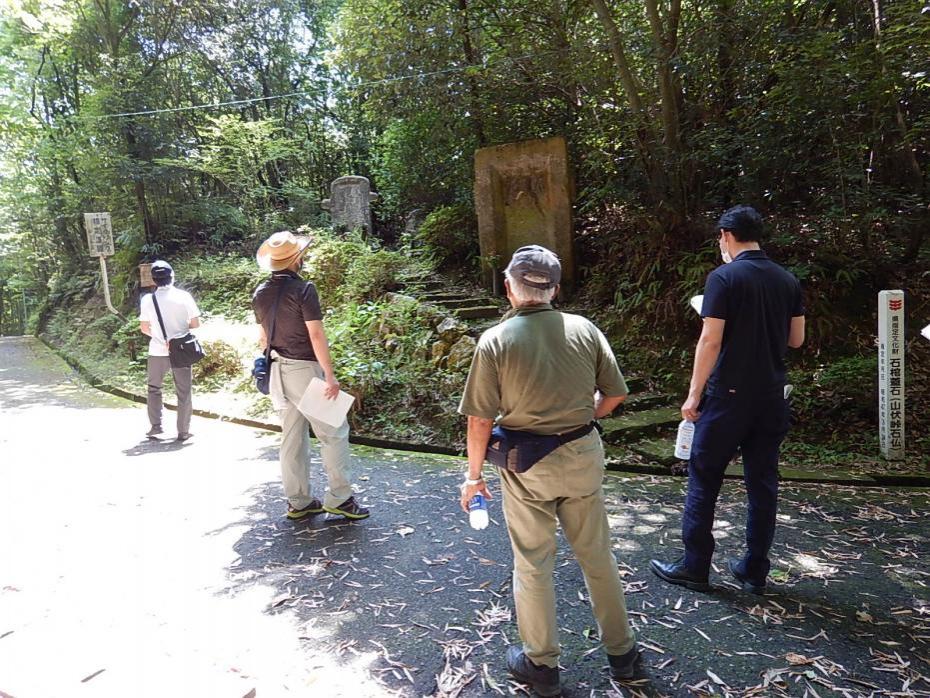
221,285
347,269
381,352
220,365
418,162
449,235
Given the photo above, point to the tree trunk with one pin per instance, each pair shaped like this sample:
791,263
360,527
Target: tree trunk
908,158
472,57
149,225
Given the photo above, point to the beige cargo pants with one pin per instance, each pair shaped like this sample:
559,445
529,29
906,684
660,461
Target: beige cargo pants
563,487
295,441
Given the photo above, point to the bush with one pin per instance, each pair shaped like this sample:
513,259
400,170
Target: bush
220,365
450,235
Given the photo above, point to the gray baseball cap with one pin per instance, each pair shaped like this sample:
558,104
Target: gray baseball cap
535,266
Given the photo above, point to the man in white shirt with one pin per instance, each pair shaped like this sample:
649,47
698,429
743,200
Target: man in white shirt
179,315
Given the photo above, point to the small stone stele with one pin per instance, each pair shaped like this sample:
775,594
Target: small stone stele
349,203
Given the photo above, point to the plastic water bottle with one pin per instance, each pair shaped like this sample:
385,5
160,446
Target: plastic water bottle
478,512
685,437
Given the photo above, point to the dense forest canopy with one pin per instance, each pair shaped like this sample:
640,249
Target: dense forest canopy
214,123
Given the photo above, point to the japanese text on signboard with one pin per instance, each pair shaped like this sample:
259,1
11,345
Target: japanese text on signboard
99,234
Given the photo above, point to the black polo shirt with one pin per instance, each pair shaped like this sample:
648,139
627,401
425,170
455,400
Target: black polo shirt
299,304
757,298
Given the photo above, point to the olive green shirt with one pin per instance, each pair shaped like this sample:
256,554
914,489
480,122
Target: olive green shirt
537,371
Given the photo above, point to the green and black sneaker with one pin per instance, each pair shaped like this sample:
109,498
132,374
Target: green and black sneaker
349,509
314,507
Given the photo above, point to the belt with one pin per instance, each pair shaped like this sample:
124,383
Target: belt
579,432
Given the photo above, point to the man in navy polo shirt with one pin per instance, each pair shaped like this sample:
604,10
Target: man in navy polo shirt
752,313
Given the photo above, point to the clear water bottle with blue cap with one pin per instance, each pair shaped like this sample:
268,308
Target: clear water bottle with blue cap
478,512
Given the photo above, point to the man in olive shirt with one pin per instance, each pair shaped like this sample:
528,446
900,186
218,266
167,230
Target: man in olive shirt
537,372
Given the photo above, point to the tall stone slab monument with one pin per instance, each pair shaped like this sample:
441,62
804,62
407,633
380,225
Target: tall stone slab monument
523,196
349,203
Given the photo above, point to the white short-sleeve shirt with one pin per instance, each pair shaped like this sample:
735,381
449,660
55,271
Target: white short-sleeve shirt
177,310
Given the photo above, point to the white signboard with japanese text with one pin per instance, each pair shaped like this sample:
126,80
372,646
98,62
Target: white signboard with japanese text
99,234
891,374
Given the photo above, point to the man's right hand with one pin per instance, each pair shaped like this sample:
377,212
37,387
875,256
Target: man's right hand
332,388
689,410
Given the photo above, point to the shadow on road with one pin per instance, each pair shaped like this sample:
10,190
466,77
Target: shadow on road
147,446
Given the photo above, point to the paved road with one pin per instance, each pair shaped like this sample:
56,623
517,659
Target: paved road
136,569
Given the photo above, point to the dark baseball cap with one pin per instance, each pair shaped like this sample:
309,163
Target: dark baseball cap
161,270
535,266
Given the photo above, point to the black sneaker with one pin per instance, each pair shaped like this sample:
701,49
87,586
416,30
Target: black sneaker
154,431
543,679
349,509
184,436
314,507
750,585
623,666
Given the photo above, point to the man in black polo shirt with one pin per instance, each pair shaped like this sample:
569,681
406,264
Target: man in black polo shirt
288,310
752,313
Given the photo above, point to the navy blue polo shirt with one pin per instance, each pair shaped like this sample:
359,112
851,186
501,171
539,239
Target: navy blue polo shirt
757,298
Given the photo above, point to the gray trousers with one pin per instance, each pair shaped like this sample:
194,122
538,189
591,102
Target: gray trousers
183,377
295,441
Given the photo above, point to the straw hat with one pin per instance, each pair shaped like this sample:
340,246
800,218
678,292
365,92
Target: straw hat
281,250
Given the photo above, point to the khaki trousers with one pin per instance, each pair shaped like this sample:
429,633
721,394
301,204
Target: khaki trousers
295,441
565,486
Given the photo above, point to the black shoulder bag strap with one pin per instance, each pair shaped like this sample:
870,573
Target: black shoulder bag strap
274,316
161,322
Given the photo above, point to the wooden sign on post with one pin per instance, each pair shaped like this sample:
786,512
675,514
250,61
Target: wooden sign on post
99,234
891,374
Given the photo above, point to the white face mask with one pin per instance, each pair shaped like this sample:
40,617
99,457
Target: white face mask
724,253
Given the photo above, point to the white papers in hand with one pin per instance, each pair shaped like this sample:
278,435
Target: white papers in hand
314,405
926,331
697,302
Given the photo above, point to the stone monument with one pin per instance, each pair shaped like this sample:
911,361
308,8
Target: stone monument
349,203
523,196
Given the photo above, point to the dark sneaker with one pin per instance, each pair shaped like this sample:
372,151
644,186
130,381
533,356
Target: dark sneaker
623,666
314,507
184,436
751,585
543,679
677,573
349,509
154,431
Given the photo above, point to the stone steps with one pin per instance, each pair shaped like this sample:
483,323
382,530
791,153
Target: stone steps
638,401
477,312
454,303
659,450
638,424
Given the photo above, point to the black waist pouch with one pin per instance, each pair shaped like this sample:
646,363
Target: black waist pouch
518,451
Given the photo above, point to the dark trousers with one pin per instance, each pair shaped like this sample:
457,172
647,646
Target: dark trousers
757,427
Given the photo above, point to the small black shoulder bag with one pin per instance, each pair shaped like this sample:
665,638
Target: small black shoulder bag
183,352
